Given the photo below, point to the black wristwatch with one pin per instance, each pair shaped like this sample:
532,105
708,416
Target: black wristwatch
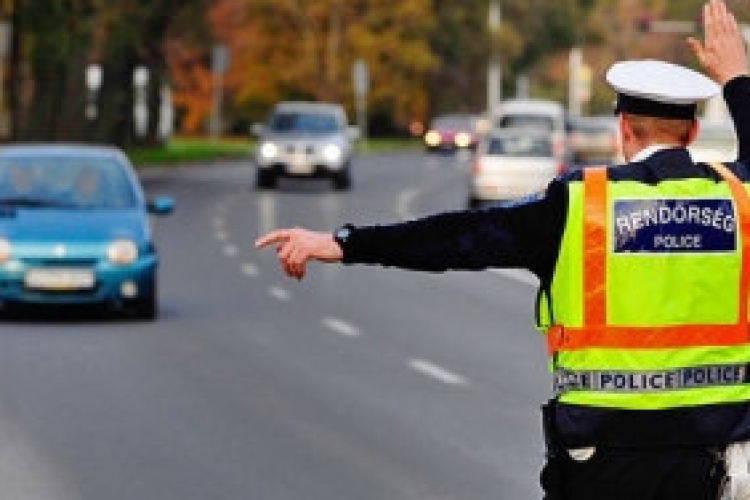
342,234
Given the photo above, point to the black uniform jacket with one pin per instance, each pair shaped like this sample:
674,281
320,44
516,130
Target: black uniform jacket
527,234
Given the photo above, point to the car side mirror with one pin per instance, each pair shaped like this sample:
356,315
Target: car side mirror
161,205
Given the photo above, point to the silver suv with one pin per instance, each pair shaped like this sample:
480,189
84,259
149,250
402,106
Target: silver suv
305,139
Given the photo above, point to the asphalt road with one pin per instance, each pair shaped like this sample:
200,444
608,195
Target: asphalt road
358,383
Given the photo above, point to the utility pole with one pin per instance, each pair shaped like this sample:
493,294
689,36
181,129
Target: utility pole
494,71
219,65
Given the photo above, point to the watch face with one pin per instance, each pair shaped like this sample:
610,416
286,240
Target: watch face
342,234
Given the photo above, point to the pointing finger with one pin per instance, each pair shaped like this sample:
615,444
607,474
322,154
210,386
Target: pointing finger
274,237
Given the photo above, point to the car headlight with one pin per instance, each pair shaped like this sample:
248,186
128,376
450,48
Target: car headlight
268,150
4,250
463,140
332,153
432,138
122,252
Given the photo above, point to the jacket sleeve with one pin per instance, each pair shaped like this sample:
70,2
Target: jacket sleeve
737,96
524,234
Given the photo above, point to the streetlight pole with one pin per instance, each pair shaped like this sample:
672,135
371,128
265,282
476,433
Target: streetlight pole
494,71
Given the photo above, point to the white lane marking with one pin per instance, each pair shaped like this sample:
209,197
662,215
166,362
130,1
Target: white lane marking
342,327
230,250
436,372
218,222
220,235
249,269
519,275
280,293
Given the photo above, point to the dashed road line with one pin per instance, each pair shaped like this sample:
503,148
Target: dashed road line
342,327
249,269
280,293
230,250
436,372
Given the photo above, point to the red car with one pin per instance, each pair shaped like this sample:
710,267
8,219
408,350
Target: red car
453,132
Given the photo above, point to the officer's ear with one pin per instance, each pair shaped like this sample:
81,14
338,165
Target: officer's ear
693,132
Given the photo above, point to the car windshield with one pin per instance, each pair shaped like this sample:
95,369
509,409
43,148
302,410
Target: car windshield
454,123
65,182
521,145
526,121
303,122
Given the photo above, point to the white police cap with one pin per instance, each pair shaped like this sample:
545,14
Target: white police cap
657,88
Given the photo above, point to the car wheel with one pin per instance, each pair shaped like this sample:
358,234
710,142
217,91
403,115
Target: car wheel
342,180
265,179
146,307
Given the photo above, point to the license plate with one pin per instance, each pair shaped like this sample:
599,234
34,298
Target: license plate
300,165
59,279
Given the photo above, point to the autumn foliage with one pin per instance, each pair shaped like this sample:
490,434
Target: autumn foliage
305,49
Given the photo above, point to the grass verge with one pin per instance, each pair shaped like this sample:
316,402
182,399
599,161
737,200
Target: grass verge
202,149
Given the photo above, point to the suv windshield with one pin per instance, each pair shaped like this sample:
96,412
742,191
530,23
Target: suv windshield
526,121
520,146
304,122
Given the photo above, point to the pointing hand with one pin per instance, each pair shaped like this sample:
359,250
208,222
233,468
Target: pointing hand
296,246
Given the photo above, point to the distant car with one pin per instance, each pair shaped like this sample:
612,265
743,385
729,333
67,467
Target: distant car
512,163
74,229
544,115
305,139
594,140
541,114
716,141
453,132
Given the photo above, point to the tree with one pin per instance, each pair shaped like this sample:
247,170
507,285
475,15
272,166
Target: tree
54,41
284,49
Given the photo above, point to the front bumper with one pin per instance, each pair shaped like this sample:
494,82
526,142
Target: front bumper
113,284
314,170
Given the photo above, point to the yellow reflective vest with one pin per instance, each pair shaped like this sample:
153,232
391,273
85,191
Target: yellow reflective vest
648,304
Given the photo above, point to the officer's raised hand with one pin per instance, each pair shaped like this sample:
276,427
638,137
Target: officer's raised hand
296,246
722,53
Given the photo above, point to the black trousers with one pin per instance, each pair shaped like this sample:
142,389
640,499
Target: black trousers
633,474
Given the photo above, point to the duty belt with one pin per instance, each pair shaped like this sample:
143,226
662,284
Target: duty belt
650,380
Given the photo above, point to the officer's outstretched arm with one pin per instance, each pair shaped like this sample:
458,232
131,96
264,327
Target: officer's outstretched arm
722,54
295,247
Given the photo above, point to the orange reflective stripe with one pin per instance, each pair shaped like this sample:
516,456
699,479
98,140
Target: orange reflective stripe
645,337
741,200
595,246
597,333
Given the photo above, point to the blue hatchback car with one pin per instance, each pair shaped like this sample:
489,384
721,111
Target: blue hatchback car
75,229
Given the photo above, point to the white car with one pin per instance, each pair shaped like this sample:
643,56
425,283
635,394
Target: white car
305,139
513,163
716,141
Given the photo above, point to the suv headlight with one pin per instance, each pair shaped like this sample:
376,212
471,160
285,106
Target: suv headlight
332,153
122,252
268,150
4,250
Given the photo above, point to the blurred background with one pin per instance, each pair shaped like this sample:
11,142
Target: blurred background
218,378
132,72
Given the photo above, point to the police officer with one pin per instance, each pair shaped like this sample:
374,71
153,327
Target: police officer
644,273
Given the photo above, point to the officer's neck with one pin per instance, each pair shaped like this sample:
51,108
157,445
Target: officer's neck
644,153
